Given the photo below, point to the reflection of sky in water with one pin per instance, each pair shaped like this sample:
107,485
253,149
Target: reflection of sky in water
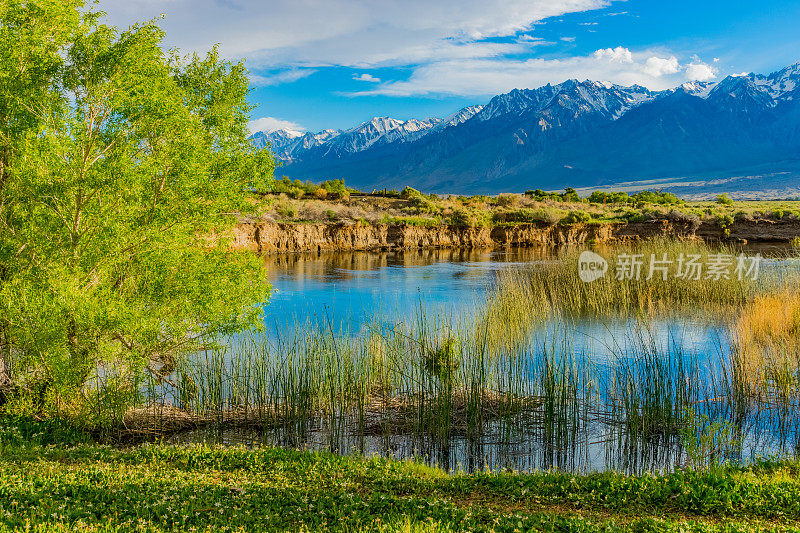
611,340
349,298
349,290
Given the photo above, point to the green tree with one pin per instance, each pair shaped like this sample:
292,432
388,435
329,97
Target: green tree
126,168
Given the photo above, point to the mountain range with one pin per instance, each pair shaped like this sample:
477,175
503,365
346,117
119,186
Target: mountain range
740,135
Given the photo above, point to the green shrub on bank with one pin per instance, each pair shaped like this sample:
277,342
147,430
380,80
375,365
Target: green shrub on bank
412,221
526,216
297,189
724,199
640,198
576,217
419,203
471,218
569,195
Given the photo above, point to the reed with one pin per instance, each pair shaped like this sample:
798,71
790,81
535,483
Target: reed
767,340
509,376
557,286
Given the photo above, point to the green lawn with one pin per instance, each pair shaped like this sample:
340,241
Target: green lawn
161,488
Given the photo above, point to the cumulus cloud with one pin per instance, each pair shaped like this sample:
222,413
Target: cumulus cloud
493,76
367,77
270,124
618,55
660,66
699,71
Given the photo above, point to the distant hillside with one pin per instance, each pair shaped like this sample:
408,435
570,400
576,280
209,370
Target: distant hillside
740,135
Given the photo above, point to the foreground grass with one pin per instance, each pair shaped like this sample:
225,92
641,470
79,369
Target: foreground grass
163,488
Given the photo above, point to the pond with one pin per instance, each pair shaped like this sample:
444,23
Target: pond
350,294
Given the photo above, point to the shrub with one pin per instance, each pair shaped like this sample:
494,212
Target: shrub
412,221
540,195
724,199
656,197
320,193
570,195
468,218
724,219
419,203
462,217
286,209
600,197
336,189
507,200
633,215
576,217
410,192
526,216
296,192
684,217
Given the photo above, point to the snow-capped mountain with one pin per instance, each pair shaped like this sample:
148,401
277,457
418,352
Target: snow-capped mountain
287,145
572,134
460,116
780,85
276,139
378,131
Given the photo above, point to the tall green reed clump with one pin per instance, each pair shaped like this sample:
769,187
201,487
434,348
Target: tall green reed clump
558,288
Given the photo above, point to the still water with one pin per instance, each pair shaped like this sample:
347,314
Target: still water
347,292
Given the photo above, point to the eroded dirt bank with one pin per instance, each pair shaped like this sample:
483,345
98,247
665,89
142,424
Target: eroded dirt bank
270,237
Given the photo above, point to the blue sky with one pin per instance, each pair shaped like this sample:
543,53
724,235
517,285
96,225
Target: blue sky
335,63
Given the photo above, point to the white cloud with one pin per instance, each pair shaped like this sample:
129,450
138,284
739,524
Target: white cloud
495,76
699,71
344,32
287,76
270,124
568,39
530,39
618,55
367,77
447,42
660,66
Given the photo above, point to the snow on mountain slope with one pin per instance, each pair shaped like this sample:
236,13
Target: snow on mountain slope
525,132
460,116
377,131
779,84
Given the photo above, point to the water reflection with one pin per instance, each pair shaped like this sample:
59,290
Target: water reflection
611,364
